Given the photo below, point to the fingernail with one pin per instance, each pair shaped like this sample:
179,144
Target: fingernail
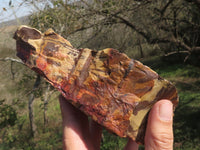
165,111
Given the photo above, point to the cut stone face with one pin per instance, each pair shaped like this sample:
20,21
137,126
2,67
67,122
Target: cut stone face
116,91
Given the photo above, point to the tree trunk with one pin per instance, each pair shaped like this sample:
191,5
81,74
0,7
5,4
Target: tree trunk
46,100
30,107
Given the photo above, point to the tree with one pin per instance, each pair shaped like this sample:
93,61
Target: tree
171,25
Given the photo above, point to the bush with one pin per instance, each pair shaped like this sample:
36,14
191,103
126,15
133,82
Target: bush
8,115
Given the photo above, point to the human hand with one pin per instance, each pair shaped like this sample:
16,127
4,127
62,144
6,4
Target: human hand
159,132
80,134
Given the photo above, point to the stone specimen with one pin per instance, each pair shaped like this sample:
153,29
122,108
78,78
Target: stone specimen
116,91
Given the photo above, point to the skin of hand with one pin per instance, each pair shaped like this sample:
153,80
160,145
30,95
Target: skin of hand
81,134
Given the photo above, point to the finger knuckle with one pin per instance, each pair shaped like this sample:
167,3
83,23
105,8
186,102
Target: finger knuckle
164,141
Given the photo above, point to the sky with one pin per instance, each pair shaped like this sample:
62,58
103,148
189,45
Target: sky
16,10
19,8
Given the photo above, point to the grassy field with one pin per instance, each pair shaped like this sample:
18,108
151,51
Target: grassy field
16,85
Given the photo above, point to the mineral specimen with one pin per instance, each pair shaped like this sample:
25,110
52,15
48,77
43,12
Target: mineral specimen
116,91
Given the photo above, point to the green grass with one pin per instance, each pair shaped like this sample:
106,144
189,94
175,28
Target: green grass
179,70
187,120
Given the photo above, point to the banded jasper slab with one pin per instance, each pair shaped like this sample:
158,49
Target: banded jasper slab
116,91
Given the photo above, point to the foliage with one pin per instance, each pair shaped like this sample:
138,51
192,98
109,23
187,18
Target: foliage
8,115
18,135
155,26
111,141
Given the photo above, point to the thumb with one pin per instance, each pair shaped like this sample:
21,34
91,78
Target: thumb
159,133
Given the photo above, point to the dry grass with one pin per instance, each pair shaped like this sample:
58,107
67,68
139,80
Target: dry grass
7,42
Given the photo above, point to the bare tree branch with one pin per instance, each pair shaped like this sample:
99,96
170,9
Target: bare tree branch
12,60
162,12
